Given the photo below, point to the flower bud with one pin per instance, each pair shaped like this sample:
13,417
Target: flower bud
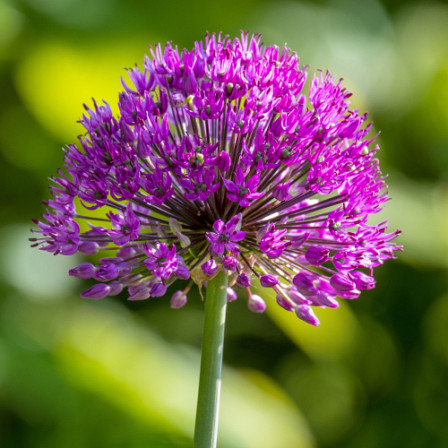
126,252
106,272
268,281
297,297
243,280
138,293
178,300
350,295
362,280
126,132
230,262
97,291
223,161
325,295
158,290
209,267
304,282
284,303
84,270
115,288
281,192
342,283
306,314
231,295
182,272
88,247
323,299
256,304
317,255
298,241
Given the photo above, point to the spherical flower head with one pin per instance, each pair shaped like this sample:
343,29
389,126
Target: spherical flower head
220,160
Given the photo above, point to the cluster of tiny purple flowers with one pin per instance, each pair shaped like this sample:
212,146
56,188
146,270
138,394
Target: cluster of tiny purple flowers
219,161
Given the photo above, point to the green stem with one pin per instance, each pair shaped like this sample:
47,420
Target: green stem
206,429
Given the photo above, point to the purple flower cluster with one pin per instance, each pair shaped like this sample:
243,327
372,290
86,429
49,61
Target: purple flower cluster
218,160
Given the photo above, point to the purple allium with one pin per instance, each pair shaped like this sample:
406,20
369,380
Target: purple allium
220,160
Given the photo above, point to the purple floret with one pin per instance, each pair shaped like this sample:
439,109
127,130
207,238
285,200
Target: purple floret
225,236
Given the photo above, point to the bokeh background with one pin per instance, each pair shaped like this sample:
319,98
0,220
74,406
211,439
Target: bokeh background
82,374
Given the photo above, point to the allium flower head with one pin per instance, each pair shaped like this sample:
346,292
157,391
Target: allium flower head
219,160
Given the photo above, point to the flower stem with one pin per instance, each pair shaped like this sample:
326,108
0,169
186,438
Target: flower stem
206,429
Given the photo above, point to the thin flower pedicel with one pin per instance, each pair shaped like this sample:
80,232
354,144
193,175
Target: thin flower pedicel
219,161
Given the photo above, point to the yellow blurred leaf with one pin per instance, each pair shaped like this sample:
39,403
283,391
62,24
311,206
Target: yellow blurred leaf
336,336
420,210
57,78
105,351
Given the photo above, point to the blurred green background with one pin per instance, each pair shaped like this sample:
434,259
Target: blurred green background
82,374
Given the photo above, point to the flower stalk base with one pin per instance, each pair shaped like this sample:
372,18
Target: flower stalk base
206,429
